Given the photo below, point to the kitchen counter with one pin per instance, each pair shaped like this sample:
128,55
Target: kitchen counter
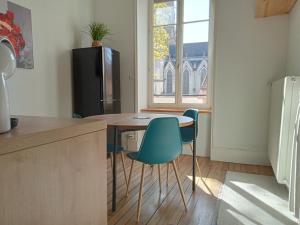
33,131
53,172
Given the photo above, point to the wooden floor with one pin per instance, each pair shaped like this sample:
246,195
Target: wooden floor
167,208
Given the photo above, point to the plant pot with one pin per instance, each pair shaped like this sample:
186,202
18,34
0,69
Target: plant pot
97,43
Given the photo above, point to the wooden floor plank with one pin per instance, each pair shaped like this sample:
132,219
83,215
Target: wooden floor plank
166,208
200,201
172,207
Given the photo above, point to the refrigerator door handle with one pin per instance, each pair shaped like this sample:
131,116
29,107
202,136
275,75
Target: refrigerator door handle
112,100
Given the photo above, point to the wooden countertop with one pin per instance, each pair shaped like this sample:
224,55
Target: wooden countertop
35,131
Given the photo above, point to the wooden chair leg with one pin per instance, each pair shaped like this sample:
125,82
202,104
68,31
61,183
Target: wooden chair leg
197,164
140,194
152,167
179,184
111,159
168,167
159,177
129,178
124,168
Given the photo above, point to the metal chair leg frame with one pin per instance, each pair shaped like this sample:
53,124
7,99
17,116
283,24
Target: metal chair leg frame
129,178
124,168
111,159
179,184
140,194
168,167
142,185
123,164
159,178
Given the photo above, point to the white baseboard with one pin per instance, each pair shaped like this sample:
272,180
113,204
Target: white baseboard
240,156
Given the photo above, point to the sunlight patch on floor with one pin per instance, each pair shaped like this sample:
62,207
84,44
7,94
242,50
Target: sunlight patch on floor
207,185
248,199
242,219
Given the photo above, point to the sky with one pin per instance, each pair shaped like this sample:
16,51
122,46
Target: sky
195,10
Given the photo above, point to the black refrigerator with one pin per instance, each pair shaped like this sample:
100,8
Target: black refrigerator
96,81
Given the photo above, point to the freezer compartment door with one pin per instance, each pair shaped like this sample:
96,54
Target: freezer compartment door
87,76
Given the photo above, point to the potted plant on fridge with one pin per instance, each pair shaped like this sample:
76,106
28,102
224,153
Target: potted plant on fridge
98,31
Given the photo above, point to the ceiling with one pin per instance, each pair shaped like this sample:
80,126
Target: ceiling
266,8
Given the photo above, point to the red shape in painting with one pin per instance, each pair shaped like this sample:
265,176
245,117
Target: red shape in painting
12,31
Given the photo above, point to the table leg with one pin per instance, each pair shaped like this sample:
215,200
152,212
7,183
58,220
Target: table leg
114,186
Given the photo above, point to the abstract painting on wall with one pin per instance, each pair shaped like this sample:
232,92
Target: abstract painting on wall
16,25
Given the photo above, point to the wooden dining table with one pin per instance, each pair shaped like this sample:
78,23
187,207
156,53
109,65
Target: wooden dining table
125,122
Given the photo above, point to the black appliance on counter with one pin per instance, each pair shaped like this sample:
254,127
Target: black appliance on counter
96,81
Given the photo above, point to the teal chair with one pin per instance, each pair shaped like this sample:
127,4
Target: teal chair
120,149
161,145
188,133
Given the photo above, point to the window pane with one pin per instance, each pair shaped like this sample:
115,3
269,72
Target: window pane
194,77
164,58
196,10
195,81
195,32
164,12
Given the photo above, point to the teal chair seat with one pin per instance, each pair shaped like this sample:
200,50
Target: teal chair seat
161,144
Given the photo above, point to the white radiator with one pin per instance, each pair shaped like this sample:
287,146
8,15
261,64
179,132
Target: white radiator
294,196
283,114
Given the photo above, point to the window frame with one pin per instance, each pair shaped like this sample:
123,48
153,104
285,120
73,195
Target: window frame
179,56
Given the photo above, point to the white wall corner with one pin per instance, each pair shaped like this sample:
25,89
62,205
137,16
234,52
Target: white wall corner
245,61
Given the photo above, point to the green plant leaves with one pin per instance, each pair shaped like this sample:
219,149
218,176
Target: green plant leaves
98,31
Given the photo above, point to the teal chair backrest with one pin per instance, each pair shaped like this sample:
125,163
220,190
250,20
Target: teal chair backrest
161,142
188,133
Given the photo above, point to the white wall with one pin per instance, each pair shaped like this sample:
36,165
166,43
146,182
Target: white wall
293,67
57,28
249,53
3,6
120,18
142,60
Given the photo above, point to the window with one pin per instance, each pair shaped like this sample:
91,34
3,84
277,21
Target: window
179,52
